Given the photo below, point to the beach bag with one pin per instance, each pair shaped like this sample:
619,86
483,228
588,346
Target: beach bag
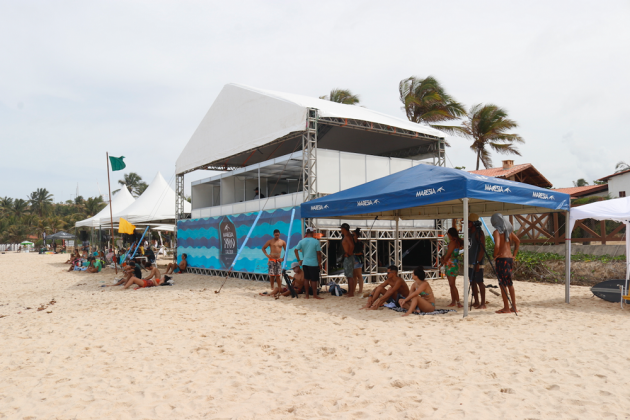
335,289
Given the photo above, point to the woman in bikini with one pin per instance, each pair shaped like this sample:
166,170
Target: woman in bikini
420,294
153,279
451,264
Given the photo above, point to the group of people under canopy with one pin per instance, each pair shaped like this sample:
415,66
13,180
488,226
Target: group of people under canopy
394,290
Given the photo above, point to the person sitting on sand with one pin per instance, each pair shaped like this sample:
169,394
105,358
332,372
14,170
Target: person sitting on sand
130,270
73,257
298,283
503,237
173,268
420,295
398,289
152,280
451,261
94,265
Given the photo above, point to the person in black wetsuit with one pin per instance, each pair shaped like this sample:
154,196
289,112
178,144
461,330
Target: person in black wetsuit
359,259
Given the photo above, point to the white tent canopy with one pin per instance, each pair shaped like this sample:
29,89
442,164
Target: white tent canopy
617,209
157,203
120,201
243,118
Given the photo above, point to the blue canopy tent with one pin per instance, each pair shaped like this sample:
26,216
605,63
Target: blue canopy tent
434,192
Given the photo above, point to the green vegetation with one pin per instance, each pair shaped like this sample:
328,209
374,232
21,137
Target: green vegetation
20,218
342,96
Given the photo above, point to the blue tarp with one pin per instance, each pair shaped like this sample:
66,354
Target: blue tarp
424,185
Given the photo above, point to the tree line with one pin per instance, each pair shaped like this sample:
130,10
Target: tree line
425,101
38,213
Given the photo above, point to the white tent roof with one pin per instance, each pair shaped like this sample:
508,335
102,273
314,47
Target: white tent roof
120,201
156,203
243,118
617,209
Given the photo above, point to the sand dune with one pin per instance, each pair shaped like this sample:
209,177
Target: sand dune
185,352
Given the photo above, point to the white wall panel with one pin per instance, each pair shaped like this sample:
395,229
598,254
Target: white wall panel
352,170
376,167
327,171
397,165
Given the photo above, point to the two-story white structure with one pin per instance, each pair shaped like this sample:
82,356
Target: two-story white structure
618,184
278,150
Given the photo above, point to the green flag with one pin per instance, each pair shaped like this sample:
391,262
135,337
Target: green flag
117,163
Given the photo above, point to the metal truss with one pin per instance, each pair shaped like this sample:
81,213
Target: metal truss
392,253
439,158
372,126
371,257
309,156
324,245
179,198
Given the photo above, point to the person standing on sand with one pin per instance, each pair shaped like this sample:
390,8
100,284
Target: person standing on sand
312,261
276,245
451,261
359,260
503,238
476,252
348,258
398,289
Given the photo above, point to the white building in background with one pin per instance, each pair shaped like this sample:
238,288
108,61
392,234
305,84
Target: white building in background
618,184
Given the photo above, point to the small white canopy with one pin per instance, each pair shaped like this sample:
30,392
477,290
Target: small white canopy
617,209
157,203
243,118
120,201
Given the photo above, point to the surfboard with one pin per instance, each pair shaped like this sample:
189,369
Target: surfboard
609,290
287,280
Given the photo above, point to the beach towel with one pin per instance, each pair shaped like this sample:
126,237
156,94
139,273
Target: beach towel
436,312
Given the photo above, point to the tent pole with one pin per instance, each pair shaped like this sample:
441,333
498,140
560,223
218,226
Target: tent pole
567,259
627,257
396,261
466,252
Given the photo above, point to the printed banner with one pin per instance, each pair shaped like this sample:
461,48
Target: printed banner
213,242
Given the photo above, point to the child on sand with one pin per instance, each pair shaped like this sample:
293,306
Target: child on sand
420,294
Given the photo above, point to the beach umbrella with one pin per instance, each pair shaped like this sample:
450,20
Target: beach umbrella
27,243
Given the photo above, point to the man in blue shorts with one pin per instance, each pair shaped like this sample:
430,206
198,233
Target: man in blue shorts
312,261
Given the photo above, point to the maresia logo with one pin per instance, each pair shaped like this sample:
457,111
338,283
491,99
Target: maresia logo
319,207
367,202
543,196
497,188
429,191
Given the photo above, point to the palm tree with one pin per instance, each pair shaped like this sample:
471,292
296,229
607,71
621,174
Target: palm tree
40,201
580,183
93,205
6,204
19,208
621,166
426,102
342,96
486,125
134,184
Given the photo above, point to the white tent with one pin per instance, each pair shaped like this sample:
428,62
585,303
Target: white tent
617,209
120,201
157,203
243,118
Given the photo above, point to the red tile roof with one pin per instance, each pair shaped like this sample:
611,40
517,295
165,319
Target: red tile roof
536,178
502,173
575,192
606,178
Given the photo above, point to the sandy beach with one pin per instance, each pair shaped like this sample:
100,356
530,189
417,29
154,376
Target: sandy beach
186,352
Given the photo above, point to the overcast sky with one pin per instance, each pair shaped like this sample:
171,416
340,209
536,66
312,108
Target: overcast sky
135,78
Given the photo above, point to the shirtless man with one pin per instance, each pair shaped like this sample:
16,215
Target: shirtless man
503,238
398,290
420,295
298,283
348,258
152,280
130,270
275,245
173,268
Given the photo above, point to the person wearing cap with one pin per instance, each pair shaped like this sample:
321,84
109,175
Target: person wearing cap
348,258
311,262
476,251
298,284
274,264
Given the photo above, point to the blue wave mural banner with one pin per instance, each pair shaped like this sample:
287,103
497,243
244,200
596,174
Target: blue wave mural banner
213,242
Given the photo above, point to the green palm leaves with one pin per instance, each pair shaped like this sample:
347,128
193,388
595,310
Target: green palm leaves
486,126
342,96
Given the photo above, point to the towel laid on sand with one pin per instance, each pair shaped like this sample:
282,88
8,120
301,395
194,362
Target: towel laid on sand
436,312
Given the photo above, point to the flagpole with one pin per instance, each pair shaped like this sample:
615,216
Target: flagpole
111,217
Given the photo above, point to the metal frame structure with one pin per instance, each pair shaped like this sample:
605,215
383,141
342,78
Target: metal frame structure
310,192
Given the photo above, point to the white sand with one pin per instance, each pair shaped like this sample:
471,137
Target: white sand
185,352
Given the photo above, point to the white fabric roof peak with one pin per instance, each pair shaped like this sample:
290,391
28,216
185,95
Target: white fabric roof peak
120,201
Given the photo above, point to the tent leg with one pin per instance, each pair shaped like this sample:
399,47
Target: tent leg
396,260
466,280
627,257
567,260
